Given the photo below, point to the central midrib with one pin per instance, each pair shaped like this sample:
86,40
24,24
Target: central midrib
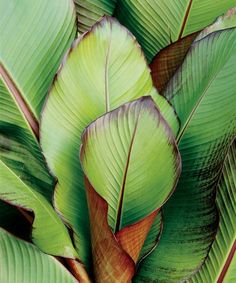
107,100
185,19
121,198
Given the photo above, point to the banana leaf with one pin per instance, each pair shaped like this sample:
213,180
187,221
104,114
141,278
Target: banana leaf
86,87
131,160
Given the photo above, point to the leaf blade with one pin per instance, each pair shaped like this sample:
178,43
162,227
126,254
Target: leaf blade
20,261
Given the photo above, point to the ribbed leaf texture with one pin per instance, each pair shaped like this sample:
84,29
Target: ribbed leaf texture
23,262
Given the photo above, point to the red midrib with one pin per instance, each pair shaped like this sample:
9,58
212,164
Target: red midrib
185,19
29,116
120,205
227,263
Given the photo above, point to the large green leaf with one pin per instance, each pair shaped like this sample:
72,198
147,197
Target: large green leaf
89,11
88,86
224,245
203,93
157,23
23,262
34,36
130,158
24,179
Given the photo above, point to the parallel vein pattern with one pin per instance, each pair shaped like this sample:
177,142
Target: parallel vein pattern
79,95
203,94
34,37
24,178
23,262
211,271
90,11
157,23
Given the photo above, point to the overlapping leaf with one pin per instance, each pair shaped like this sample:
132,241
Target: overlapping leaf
34,37
203,94
130,157
88,86
157,23
23,262
169,59
220,257
89,11
24,178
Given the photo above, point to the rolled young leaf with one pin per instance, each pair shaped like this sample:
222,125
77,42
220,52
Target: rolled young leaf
203,94
24,178
158,23
168,61
131,160
34,37
110,262
89,11
23,262
220,257
104,69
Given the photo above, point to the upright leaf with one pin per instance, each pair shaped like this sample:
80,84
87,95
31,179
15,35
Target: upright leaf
89,11
220,257
131,160
24,178
203,94
23,262
34,37
157,23
88,86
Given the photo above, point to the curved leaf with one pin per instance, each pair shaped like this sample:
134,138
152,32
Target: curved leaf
131,160
203,94
34,36
88,86
23,262
157,23
111,263
118,155
25,181
153,237
224,245
89,11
